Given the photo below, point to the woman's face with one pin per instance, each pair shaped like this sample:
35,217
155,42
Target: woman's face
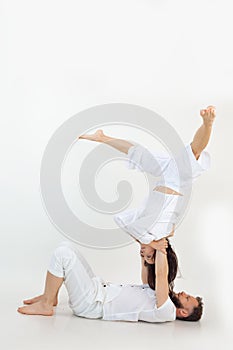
147,253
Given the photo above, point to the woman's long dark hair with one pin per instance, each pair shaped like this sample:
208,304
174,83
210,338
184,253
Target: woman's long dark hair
172,266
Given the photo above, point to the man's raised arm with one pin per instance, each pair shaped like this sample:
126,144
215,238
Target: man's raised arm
161,278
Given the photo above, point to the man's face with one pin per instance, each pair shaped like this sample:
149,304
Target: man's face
186,301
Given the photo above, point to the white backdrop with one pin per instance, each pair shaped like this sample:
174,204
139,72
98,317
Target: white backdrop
61,57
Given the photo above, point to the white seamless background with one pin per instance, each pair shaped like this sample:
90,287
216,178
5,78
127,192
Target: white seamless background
61,57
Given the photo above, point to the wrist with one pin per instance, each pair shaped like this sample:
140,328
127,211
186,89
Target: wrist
208,124
153,245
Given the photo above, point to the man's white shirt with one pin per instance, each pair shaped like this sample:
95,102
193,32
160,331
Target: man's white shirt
135,303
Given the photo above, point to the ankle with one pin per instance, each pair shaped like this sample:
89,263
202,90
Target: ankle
48,300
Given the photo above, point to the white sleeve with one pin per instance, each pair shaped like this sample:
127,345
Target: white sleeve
165,313
145,238
190,167
198,166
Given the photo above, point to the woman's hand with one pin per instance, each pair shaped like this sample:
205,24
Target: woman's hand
161,245
208,115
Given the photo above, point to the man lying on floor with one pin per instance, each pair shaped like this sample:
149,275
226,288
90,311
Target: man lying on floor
91,297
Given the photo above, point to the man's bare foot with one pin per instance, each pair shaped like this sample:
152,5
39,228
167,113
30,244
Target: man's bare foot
208,115
36,299
38,308
97,136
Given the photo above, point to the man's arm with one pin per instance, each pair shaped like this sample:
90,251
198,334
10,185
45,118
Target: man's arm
161,245
161,278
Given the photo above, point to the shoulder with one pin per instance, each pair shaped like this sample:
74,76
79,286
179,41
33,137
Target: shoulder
164,313
167,310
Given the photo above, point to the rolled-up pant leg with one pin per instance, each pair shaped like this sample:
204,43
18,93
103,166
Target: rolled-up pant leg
82,285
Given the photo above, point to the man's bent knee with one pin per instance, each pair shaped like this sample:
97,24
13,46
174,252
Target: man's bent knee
66,256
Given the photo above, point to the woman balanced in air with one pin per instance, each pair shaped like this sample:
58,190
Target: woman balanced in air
157,217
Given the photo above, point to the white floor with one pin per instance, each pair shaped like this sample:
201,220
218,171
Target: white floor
64,330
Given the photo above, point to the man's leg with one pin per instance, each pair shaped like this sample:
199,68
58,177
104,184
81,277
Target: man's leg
43,305
202,136
35,299
65,265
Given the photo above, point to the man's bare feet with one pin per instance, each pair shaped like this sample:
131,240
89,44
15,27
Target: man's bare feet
97,136
36,299
208,115
38,308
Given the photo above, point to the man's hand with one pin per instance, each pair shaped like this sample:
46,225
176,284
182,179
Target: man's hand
161,245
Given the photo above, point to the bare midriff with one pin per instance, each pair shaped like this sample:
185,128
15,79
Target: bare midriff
166,190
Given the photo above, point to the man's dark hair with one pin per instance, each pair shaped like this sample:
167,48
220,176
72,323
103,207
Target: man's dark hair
196,314
197,311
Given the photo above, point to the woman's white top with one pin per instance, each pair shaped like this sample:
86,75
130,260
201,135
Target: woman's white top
136,303
156,216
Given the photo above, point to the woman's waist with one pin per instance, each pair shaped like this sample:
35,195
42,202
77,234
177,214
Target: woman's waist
166,190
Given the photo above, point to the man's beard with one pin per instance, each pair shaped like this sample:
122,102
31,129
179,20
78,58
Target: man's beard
175,300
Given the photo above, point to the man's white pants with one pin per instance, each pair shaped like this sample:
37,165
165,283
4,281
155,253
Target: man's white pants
85,290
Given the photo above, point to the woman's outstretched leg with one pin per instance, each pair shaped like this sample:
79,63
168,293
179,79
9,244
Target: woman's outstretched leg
119,144
202,135
43,305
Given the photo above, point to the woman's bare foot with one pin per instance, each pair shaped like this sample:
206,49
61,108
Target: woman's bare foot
208,115
36,299
38,308
97,136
